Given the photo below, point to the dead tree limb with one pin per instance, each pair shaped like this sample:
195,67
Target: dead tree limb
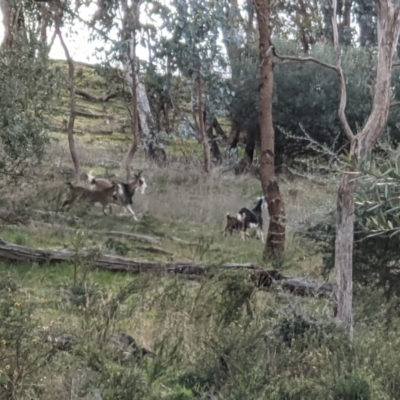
262,278
13,252
102,99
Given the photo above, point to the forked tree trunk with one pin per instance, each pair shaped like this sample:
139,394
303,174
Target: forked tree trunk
276,209
388,25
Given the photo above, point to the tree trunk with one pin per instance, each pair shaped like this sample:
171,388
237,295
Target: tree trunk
72,111
203,133
232,44
131,19
13,21
145,117
364,14
388,26
250,22
214,149
276,231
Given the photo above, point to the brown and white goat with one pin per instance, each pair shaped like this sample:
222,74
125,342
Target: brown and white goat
252,219
232,224
124,192
92,197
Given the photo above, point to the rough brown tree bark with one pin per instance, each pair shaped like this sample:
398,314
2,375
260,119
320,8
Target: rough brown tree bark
276,231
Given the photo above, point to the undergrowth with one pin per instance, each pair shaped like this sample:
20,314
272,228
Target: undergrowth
215,338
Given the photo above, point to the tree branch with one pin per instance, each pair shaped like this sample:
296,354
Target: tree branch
337,68
343,92
306,59
103,98
72,113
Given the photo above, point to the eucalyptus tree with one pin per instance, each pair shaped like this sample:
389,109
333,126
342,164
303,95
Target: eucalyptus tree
276,231
125,17
28,86
191,45
361,144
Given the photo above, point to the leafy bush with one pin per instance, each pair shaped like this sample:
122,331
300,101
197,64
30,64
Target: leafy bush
309,329
118,246
28,84
352,387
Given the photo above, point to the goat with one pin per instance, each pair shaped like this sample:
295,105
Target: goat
103,197
252,219
232,223
125,191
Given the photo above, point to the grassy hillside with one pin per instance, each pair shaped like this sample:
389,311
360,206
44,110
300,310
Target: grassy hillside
214,338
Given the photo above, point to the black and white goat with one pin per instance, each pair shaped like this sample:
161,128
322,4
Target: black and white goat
252,219
124,192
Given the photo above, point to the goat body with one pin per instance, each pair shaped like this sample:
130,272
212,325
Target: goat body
125,191
92,197
252,219
232,223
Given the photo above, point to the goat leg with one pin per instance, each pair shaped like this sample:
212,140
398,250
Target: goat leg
129,208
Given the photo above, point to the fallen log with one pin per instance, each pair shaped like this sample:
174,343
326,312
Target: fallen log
304,287
16,253
103,98
13,252
87,112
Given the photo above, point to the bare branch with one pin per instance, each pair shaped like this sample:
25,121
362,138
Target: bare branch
103,98
306,59
394,104
343,92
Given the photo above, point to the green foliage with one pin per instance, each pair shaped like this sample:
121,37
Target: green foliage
353,387
22,355
377,225
306,99
28,85
235,295
308,329
118,246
